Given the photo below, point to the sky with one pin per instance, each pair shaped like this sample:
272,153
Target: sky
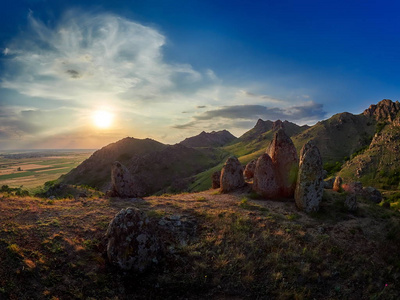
83,74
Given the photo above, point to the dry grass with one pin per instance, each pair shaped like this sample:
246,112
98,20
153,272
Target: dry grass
244,249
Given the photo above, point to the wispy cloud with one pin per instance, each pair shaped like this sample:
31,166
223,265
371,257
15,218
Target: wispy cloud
89,57
85,61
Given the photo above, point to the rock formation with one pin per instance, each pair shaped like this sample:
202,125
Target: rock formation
216,177
133,242
328,183
372,194
353,187
231,175
310,183
337,185
249,170
123,184
265,181
386,110
285,160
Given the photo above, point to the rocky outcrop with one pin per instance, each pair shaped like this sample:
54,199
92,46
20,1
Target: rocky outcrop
385,110
133,242
249,169
216,180
285,161
310,183
231,175
265,182
372,194
123,184
337,185
209,139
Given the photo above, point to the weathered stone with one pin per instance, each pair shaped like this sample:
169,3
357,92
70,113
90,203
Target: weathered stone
353,187
337,185
249,170
265,181
231,175
328,183
216,180
310,183
123,184
285,160
372,194
133,242
351,202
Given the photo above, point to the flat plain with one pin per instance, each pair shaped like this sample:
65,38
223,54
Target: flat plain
33,169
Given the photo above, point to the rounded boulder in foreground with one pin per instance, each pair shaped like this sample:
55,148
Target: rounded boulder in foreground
132,241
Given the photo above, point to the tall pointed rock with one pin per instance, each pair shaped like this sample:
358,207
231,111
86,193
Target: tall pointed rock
285,160
310,183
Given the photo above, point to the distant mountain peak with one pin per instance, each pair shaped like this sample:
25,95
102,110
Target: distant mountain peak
209,139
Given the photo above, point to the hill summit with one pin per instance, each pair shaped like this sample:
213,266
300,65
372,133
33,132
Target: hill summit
209,139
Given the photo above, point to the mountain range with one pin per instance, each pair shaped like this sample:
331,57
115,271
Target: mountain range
361,147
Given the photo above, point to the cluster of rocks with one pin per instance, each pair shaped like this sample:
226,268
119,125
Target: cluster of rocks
137,242
356,188
278,174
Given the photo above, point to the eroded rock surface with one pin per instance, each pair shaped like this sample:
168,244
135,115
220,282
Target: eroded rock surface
133,242
310,183
285,160
231,175
249,170
337,185
123,184
265,182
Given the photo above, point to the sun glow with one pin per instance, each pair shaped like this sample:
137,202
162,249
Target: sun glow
102,119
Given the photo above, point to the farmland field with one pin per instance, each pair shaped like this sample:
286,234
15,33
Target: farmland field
31,169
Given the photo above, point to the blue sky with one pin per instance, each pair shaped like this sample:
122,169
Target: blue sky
170,69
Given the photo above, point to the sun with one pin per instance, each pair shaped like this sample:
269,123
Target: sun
102,118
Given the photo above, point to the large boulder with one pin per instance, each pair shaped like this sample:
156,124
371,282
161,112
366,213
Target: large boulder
231,175
249,169
216,177
284,157
310,182
133,242
265,181
123,184
372,194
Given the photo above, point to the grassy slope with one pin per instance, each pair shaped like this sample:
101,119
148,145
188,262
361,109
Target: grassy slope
245,249
379,163
338,137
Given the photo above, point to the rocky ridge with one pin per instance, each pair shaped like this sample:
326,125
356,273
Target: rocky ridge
209,139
